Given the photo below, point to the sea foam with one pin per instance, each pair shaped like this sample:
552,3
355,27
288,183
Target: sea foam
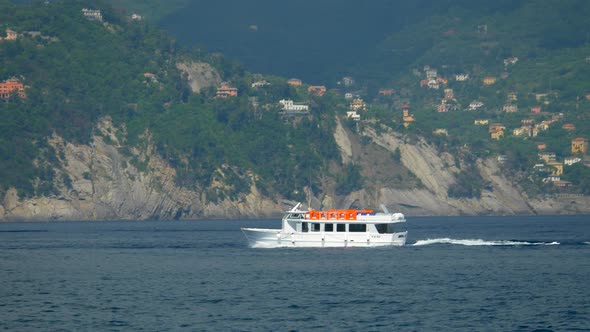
480,242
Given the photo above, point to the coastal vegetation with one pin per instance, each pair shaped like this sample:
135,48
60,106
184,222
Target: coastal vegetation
77,69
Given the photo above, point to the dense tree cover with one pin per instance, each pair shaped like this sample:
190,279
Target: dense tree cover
77,70
383,41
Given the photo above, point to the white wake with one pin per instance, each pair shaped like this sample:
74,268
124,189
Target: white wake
480,242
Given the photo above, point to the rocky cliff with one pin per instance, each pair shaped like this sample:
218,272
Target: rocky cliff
109,180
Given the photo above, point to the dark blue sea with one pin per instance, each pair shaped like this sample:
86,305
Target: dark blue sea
455,274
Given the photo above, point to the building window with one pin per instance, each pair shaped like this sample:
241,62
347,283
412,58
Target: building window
304,228
329,227
315,227
340,228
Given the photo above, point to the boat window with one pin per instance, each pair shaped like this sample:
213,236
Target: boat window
329,227
340,228
390,228
315,227
396,227
384,228
304,228
357,228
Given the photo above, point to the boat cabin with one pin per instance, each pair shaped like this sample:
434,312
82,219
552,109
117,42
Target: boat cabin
343,221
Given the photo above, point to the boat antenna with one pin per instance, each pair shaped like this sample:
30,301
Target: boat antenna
384,208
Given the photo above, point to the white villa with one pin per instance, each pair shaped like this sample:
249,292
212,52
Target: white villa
289,105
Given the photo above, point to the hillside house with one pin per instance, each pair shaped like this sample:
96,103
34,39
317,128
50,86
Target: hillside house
555,167
358,104
442,108
568,126
92,14
489,80
462,77
294,82
348,81
562,184
10,35
474,105
442,80
348,96
289,106
572,160
541,146
510,61
386,92
11,87
512,96
552,178
536,109
547,156
150,77
441,132
579,145
522,131
541,96
260,84
449,94
481,122
424,83
226,91
510,108
433,84
544,125
136,17
527,121
497,134
353,115
318,90
407,117
502,158
431,74
496,127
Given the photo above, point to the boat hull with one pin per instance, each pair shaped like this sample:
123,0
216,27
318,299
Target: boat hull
275,238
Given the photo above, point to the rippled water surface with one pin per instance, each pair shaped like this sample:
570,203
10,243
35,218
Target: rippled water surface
468,273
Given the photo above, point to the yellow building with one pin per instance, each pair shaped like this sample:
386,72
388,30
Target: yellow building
557,167
497,134
579,145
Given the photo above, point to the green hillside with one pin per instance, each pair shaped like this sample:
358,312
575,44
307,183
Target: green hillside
550,72
77,70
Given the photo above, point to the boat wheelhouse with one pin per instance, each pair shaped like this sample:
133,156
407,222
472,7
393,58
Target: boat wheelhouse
331,228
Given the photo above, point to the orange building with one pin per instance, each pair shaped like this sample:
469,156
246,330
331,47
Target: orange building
407,117
489,80
579,145
386,92
317,90
569,126
226,91
7,88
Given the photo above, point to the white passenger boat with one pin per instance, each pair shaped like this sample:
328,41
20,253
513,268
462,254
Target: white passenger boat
331,228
